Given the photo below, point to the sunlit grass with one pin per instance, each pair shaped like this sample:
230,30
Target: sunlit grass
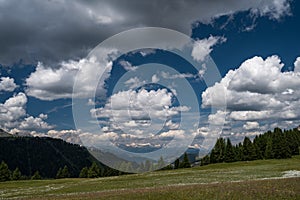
210,180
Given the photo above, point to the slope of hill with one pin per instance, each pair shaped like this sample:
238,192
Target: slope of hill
261,179
43,154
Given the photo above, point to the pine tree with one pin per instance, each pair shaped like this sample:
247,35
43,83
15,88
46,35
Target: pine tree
269,149
36,176
218,152
176,164
257,146
4,172
65,172
280,146
185,163
213,156
94,171
59,173
16,175
292,141
248,150
229,152
84,172
239,155
205,160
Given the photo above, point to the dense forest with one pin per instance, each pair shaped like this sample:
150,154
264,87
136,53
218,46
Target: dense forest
270,145
47,158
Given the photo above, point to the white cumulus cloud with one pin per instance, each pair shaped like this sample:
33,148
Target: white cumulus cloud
7,84
13,116
48,83
258,90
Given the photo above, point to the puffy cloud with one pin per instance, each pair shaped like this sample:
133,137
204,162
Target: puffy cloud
48,83
12,110
251,125
146,111
35,123
173,133
257,75
219,118
37,30
258,90
13,114
202,48
250,115
7,84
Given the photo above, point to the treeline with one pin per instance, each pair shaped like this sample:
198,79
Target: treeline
36,157
94,171
270,145
6,174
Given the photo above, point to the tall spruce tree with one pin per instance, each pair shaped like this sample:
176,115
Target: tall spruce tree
229,152
248,149
65,172
176,164
16,175
269,149
205,160
185,162
280,146
94,171
4,172
218,152
36,176
84,172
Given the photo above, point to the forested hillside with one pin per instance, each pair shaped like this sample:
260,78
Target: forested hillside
45,155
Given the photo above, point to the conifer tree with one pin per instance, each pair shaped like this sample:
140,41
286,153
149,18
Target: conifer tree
269,149
280,146
36,176
65,172
185,163
4,172
205,160
213,156
176,164
16,175
59,173
94,171
229,152
248,149
84,172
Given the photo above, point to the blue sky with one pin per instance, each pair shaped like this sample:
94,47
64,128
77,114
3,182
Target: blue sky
43,46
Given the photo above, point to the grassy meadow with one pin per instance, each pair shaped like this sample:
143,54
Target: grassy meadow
261,179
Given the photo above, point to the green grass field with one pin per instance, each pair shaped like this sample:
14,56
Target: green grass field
263,179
